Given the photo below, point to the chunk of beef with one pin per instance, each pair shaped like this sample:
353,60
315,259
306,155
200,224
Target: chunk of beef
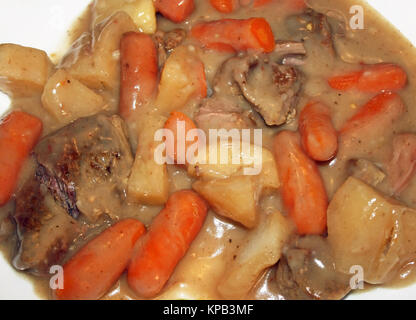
222,113
7,227
289,48
45,230
85,166
307,271
272,89
317,26
366,171
167,41
290,53
402,165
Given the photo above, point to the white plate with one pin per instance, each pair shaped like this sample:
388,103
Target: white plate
43,24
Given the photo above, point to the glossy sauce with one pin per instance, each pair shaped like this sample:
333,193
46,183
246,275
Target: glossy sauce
197,275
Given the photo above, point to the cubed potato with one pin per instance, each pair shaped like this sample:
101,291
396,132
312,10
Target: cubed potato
249,157
261,249
148,182
23,71
96,62
67,99
181,80
368,229
269,177
142,12
235,198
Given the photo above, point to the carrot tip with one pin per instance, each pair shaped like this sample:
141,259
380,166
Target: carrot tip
263,33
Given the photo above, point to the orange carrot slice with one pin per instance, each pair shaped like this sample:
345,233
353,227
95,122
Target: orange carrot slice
225,6
292,5
319,137
372,79
260,3
96,267
379,111
303,191
167,241
175,10
139,71
180,145
240,35
19,133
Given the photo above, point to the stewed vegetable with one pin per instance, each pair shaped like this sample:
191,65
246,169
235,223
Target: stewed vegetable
221,149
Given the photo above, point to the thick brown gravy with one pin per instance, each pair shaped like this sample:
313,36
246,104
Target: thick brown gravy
198,273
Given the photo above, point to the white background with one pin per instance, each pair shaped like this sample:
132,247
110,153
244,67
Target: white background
43,24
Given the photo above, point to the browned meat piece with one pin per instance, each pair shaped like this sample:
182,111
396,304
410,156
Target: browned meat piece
222,113
174,38
286,48
45,231
224,84
402,166
326,31
271,88
318,26
7,227
85,166
161,52
366,171
167,41
307,271
290,53
293,61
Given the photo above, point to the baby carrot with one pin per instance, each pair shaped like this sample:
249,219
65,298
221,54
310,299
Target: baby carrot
175,10
372,79
167,241
292,5
319,137
19,133
380,111
178,150
235,34
260,3
98,265
303,191
373,123
139,71
225,6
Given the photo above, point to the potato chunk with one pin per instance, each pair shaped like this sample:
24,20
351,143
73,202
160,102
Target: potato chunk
67,99
148,182
235,198
94,59
249,157
261,249
142,12
23,70
370,230
182,78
